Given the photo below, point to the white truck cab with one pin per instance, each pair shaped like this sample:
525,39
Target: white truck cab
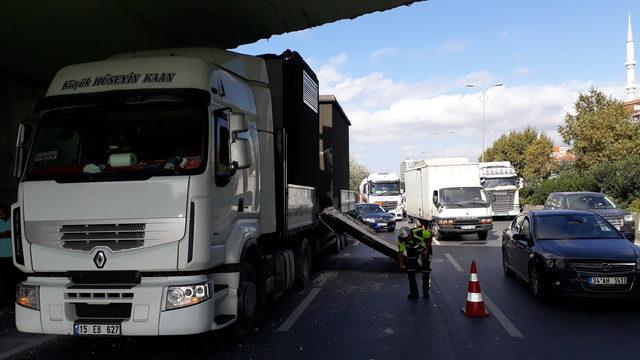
502,183
445,195
385,190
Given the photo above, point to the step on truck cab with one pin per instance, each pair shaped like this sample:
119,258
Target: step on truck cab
500,179
167,192
383,189
445,195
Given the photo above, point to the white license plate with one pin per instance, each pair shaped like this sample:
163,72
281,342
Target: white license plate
621,280
96,329
382,224
467,227
618,227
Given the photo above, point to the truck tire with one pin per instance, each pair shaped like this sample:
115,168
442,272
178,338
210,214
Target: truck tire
337,247
304,263
482,235
247,302
344,241
410,220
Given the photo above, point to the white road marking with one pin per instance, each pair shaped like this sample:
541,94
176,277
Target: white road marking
287,324
502,318
33,343
436,242
453,262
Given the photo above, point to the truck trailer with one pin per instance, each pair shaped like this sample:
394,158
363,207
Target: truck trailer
170,192
445,195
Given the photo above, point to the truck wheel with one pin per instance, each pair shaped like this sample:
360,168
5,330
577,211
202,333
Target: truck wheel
344,241
410,220
435,233
482,235
337,247
304,262
247,302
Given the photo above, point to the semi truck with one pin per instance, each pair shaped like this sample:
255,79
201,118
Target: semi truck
385,190
445,195
500,179
170,192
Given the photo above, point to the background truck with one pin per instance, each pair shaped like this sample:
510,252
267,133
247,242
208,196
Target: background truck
385,190
445,195
171,192
499,179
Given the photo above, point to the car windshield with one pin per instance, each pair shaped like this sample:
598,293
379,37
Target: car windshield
385,188
490,183
118,143
370,208
574,227
463,196
589,202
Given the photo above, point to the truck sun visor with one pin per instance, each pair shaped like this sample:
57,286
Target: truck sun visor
123,159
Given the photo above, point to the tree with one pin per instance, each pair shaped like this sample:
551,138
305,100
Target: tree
538,161
512,147
600,131
357,172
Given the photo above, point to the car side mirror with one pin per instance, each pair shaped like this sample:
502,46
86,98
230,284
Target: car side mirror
520,237
240,153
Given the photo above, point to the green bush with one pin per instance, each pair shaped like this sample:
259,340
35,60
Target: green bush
634,205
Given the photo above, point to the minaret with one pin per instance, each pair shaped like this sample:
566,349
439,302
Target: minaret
631,65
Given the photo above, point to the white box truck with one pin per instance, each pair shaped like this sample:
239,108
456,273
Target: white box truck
503,185
167,192
385,190
445,195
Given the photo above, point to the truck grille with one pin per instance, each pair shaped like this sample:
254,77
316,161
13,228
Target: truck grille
116,237
389,205
616,222
503,202
103,311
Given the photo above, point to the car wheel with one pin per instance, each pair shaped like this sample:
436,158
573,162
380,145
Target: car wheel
482,235
536,285
247,302
506,268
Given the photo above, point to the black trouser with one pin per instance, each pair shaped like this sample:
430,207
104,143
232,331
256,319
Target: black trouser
413,267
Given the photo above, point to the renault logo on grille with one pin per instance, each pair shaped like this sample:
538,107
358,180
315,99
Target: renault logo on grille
100,259
606,267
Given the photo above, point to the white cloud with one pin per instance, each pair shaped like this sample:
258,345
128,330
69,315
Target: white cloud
454,45
522,71
392,119
383,52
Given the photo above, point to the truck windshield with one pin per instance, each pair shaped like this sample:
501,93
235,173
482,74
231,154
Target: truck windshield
385,188
124,142
464,197
497,182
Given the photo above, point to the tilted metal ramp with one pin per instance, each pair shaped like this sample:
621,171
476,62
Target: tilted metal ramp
343,223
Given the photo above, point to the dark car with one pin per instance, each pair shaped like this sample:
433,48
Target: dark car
598,203
572,253
374,216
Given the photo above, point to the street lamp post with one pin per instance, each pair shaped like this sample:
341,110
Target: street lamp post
443,146
483,99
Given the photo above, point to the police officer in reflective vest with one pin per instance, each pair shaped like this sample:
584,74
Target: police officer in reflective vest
416,243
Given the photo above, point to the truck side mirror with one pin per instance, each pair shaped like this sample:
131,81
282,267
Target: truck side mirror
435,197
240,153
24,132
237,124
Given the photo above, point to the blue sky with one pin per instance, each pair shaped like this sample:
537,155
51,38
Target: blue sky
400,74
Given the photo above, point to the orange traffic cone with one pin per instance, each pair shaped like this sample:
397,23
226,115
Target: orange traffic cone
475,305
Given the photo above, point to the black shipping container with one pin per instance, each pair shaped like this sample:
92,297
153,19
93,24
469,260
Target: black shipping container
334,151
294,95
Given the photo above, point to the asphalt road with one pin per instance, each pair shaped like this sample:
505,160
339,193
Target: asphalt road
356,308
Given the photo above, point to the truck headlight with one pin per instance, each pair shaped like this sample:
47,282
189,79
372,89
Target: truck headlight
628,218
187,295
486,221
445,221
28,296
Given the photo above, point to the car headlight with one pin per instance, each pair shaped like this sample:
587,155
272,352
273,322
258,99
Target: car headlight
628,218
552,261
28,296
187,295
